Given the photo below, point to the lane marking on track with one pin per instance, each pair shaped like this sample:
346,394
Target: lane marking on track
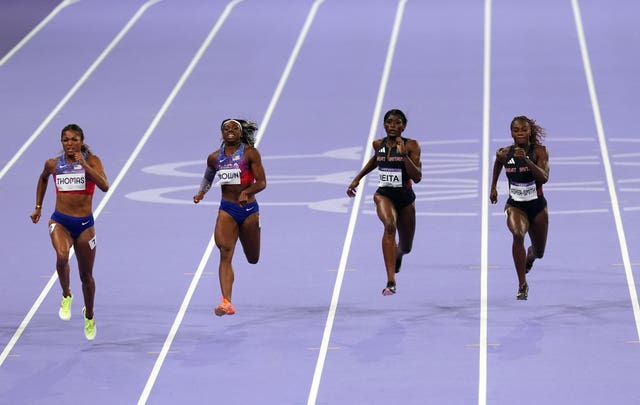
123,32
484,237
36,29
208,251
25,322
477,345
615,205
153,375
326,335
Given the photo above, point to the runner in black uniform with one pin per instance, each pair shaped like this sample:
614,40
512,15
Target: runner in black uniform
526,164
399,165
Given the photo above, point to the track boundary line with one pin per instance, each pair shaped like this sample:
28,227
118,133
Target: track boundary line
324,346
36,305
36,29
153,375
606,162
484,238
114,42
210,246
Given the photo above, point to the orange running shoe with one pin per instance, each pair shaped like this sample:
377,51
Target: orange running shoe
225,308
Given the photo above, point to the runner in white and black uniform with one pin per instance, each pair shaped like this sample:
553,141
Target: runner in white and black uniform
526,164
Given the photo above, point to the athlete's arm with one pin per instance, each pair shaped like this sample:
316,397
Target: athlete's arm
497,168
93,168
539,165
207,179
255,163
368,167
41,189
412,161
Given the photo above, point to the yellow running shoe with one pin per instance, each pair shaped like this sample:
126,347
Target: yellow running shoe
89,327
225,308
65,308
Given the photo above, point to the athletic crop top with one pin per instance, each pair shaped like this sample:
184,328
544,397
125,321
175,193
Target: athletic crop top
71,178
233,169
391,169
522,184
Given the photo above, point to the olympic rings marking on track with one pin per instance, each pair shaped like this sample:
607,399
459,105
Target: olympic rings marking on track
451,184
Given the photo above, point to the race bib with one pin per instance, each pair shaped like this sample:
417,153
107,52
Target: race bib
523,191
389,177
70,181
228,176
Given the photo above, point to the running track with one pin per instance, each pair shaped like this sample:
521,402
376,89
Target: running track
150,81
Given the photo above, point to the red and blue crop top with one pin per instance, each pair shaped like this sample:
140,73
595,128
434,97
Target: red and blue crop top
233,169
71,178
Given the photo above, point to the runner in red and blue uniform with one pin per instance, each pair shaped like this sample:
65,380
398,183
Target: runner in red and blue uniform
237,168
76,173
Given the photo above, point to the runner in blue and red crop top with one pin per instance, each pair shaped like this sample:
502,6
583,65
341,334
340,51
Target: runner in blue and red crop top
76,173
71,178
526,164
398,162
237,168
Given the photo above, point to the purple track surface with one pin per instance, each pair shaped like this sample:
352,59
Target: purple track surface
149,82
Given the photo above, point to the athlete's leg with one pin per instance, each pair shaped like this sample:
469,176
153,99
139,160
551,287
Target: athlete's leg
518,224
406,232
62,242
538,235
85,248
226,237
387,214
250,237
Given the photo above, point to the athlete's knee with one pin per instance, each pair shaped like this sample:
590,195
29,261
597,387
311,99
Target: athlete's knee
518,237
390,227
62,257
226,252
253,259
86,278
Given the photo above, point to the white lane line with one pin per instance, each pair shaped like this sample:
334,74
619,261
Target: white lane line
23,325
484,239
287,70
36,29
615,206
153,375
210,247
77,85
324,346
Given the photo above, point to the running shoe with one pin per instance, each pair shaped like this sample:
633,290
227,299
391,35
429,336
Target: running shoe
390,289
530,259
65,308
225,308
89,326
523,292
398,263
